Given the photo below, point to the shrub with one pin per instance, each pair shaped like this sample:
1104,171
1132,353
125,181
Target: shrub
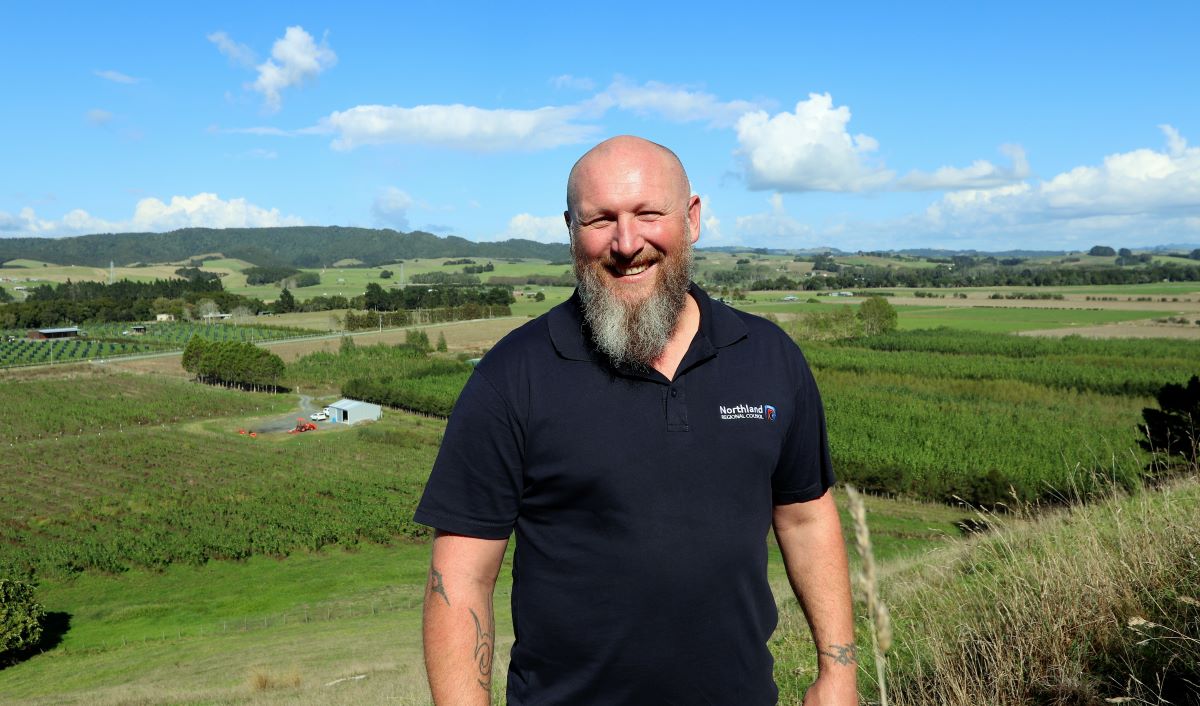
20,619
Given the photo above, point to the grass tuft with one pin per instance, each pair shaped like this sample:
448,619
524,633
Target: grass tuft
264,680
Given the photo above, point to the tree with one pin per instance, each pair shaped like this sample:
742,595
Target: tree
831,325
1124,252
192,354
1102,251
417,339
386,274
241,314
539,297
1174,428
207,308
877,316
285,303
20,619
441,343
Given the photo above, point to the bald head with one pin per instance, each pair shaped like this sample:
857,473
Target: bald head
620,156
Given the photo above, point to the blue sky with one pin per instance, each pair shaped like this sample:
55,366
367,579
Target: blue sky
865,126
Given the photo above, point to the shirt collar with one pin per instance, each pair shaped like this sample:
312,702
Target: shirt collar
719,325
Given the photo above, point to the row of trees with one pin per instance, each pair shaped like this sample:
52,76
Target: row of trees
874,316
856,277
410,317
233,363
379,299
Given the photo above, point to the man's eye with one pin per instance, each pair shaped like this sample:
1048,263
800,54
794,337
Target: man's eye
649,215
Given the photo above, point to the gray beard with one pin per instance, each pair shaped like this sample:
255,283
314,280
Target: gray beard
635,334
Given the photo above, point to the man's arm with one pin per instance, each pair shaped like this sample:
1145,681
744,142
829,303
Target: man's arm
459,627
810,538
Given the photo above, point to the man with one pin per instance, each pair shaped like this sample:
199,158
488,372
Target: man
641,439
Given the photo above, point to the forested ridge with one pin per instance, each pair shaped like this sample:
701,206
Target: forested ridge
297,246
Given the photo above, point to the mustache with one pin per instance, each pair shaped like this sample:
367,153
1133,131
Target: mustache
637,261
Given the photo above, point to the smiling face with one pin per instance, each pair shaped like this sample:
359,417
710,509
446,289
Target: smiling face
632,221
631,214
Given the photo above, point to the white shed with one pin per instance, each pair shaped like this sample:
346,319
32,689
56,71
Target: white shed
352,411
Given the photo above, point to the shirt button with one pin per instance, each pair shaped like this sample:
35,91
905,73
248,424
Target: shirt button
673,392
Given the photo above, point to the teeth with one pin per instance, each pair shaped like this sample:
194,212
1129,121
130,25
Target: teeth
635,270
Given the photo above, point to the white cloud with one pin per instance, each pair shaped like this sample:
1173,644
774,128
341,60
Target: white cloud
295,58
116,77
776,224
391,208
96,116
807,150
982,174
574,83
673,103
204,210
544,229
457,126
1141,197
1143,182
239,54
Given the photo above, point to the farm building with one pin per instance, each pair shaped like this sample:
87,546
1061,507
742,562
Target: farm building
352,411
44,334
164,317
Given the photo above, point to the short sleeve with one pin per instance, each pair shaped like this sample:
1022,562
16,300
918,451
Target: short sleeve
476,483
805,469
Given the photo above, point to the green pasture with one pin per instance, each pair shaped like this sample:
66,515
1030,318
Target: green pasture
352,281
885,262
1170,289
1011,319
34,272
185,558
526,305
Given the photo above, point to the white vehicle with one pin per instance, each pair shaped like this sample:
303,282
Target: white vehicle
319,416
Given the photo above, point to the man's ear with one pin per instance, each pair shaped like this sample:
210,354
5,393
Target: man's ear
693,216
567,218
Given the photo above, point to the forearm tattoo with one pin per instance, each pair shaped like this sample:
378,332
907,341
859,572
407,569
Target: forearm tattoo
484,645
436,585
842,654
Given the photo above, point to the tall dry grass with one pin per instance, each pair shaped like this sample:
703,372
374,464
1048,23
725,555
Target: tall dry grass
1092,605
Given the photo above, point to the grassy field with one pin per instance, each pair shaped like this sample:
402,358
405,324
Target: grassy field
1012,319
156,506
183,562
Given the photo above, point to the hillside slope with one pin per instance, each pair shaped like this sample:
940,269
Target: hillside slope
300,246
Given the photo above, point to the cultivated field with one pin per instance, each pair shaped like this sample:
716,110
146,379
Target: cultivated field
185,562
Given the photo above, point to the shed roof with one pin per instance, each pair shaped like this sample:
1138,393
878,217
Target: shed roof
349,404
65,329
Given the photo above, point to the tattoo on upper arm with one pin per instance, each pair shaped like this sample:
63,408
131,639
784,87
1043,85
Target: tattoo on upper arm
842,654
436,585
484,645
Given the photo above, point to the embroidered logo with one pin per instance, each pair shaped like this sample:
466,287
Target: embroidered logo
748,411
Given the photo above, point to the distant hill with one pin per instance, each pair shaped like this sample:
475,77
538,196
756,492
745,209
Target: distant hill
299,246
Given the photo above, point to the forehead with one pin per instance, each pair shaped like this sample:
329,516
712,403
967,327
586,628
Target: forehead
619,178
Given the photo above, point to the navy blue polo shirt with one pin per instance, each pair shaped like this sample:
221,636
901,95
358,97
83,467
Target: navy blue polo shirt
641,505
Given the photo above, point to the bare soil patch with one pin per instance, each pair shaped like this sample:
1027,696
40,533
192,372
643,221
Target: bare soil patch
1069,301
1126,329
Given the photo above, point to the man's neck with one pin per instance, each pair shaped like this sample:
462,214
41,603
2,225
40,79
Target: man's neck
681,339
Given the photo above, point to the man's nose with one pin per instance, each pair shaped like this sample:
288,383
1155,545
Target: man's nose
627,238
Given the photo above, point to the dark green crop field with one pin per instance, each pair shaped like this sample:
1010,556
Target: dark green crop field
110,340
